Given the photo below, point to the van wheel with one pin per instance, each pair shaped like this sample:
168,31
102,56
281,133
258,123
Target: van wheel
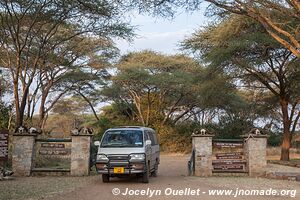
155,172
146,175
105,178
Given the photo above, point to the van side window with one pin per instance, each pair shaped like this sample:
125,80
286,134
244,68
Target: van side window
155,138
146,136
152,138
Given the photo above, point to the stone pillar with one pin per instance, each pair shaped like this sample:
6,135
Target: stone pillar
22,154
202,144
80,155
255,149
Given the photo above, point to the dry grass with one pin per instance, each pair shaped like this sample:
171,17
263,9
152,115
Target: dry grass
273,153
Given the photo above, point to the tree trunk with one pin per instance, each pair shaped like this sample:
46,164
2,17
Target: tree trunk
28,107
23,105
19,120
42,110
286,141
90,104
41,116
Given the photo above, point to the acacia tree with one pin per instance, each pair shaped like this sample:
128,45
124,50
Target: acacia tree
280,18
165,89
154,83
27,29
241,47
77,67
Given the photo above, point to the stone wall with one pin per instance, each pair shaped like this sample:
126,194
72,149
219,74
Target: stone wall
255,153
24,150
80,155
22,155
203,155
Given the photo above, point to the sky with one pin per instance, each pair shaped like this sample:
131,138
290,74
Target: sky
160,34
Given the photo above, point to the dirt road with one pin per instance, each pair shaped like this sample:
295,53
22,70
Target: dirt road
173,179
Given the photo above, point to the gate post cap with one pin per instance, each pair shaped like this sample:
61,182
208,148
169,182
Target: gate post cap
202,133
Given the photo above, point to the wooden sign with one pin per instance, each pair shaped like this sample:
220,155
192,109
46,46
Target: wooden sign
49,145
233,155
53,149
228,162
229,156
4,145
227,145
229,165
228,168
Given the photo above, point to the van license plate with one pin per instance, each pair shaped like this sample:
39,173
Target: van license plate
119,170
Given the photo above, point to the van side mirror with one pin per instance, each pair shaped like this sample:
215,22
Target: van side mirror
97,143
148,142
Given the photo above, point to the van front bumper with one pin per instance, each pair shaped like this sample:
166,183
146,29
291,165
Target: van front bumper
129,168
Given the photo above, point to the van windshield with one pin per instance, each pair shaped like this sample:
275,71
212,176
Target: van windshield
123,138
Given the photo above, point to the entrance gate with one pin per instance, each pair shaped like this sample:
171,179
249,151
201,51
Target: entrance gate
246,155
27,149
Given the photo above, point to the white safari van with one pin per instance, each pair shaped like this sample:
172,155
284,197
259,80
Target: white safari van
129,150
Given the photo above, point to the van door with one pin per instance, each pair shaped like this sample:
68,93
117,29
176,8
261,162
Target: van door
153,149
157,150
148,149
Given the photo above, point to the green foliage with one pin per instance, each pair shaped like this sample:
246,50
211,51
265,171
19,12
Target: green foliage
5,113
156,87
232,128
168,92
52,40
274,139
242,48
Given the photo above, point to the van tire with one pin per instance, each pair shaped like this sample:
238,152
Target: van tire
105,178
155,172
146,175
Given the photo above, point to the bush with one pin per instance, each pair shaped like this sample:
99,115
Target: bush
4,114
274,139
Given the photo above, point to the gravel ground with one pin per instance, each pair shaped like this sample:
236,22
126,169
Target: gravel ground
172,174
40,187
282,168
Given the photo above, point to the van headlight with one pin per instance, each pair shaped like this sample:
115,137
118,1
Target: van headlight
102,157
137,157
